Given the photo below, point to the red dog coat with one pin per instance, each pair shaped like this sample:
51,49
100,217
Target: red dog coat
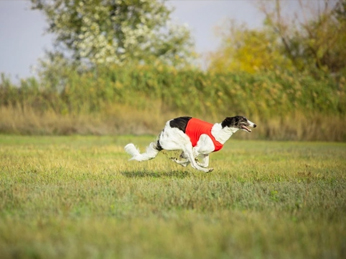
195,128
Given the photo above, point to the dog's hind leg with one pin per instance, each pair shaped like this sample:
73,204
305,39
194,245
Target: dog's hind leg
179,162
183,162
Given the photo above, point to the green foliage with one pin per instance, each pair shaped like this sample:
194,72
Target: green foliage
312,39
114,32
109,97
189,91
79,197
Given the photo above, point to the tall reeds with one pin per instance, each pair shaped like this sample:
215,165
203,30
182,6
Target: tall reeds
141,99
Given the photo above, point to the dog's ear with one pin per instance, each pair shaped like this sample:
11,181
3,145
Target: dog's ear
230,122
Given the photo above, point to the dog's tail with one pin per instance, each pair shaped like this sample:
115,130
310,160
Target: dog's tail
150,153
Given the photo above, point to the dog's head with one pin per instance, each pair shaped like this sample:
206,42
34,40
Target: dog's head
238,122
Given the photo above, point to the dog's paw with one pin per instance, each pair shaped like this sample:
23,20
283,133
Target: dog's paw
210,170
179,162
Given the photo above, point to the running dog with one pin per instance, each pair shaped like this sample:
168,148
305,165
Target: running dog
196,138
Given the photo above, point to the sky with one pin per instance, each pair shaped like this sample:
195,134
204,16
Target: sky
23,38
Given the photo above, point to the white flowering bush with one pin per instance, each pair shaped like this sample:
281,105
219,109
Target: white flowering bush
117,31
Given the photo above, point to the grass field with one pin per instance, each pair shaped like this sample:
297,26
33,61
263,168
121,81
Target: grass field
79,197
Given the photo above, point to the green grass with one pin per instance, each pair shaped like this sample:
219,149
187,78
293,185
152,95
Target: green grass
79,197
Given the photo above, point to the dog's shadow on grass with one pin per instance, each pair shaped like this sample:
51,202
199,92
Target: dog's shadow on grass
150,174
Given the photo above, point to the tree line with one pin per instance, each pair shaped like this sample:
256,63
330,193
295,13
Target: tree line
113,58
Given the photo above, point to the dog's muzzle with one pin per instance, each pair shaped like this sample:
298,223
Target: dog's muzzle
250,124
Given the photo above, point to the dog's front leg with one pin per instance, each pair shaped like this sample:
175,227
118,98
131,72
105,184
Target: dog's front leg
205,161
189,153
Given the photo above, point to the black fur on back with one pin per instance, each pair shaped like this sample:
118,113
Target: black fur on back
180,123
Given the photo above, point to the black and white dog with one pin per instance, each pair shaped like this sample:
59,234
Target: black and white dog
194,137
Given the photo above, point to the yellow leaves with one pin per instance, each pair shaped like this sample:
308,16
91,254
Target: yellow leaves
250,51
118,85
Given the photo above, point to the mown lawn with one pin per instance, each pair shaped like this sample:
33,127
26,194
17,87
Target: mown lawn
79,197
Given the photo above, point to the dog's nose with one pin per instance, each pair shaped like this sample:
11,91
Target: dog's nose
254,125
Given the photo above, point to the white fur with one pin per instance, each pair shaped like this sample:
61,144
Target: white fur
150,153
175,139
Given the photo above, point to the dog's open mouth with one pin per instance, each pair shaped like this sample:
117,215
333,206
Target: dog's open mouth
245,128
